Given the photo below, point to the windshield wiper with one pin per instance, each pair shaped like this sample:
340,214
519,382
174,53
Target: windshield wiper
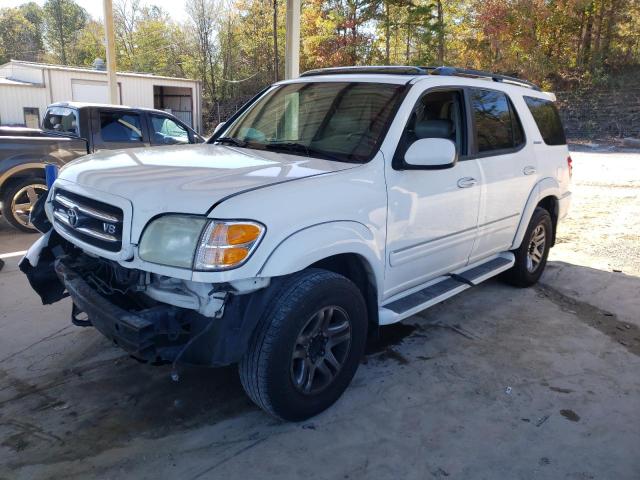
232,140
301,148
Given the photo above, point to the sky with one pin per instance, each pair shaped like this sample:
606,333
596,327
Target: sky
175,8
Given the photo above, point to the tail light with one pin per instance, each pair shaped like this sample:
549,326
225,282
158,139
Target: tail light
570,165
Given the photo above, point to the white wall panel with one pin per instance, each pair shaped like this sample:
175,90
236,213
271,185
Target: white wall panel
14,98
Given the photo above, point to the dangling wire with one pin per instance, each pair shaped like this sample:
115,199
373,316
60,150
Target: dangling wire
175,376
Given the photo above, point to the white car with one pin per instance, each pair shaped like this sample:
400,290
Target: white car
328,205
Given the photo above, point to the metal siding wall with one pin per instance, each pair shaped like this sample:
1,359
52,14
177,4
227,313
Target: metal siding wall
136,91
23,73
14,98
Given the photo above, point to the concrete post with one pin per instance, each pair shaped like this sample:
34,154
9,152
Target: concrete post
111,53
292,47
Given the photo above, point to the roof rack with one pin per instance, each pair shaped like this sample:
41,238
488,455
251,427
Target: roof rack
383,69
424,70
470,73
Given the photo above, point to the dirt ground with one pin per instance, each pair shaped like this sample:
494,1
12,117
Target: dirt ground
495,383
603,227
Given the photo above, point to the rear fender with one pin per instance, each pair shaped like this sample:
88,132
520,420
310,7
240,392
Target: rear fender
22,170
544,188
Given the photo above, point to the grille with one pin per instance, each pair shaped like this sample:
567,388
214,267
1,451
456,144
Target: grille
89,220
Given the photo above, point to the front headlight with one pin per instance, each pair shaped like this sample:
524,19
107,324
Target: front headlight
199,243
171,240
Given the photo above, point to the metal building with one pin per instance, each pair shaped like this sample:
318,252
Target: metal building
27,88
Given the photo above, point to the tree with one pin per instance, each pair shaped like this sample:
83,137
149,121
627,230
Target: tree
63,20
202,14
20,36
34,14
89,44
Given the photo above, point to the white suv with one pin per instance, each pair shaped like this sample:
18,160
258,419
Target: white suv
328,205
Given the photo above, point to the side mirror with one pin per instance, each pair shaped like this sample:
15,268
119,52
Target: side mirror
431,154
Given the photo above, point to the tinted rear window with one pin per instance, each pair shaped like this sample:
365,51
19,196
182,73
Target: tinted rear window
497,125
547,118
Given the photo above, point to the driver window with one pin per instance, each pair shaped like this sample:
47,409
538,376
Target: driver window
437,114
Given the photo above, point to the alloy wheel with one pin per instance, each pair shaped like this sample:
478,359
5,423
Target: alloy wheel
320,350
535,252
23,201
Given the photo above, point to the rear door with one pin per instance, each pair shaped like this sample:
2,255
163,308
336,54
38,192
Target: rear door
115,129
507,165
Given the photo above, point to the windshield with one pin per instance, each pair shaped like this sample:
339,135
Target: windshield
61,119
335,120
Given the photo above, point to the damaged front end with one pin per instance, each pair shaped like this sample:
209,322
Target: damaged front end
154,318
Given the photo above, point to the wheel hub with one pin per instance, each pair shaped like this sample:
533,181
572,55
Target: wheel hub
316,347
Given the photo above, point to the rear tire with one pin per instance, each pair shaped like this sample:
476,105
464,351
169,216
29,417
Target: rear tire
531,256
306,346
18,198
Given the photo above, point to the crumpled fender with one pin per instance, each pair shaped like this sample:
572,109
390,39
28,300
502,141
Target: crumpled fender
38,266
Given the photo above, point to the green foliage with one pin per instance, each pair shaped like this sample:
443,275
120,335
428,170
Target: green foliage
235,47
20,33
63,21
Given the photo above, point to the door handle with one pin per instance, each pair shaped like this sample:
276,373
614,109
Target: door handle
466,182
529,170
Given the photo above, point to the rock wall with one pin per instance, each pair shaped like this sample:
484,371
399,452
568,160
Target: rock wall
601,114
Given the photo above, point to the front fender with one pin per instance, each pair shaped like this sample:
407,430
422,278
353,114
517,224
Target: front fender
544,188
317,242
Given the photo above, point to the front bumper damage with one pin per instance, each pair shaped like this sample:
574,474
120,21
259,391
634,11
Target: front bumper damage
151,334
147,329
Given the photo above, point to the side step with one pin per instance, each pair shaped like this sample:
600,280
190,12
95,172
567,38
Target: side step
442,288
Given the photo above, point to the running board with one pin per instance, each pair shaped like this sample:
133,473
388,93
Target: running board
442,288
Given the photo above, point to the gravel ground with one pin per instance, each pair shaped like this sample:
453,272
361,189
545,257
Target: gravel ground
602,229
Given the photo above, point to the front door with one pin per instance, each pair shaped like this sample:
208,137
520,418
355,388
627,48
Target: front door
432,214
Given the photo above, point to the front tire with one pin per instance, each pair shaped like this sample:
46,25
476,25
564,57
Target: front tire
531,256
18,198
307,345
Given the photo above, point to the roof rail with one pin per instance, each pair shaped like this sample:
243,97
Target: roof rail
384,69
422,70
470,73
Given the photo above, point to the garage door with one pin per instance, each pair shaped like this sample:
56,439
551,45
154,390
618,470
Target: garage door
90,91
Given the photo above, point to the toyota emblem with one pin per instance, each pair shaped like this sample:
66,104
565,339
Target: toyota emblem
72,216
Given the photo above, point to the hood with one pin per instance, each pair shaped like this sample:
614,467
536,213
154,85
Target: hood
188,178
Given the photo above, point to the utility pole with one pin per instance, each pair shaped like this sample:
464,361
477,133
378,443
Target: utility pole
292,47
112,81
275,40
